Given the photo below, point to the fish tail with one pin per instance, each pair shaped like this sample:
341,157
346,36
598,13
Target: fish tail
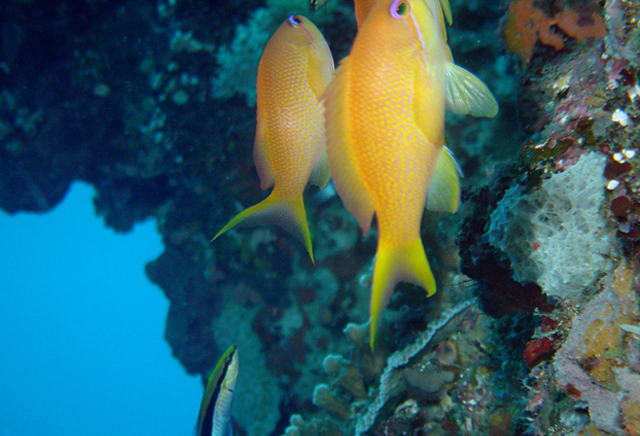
285,211
393,264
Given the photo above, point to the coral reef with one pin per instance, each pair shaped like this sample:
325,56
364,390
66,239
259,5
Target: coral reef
442,383
596,367
528,24
591,365
534,329
555,236
257,411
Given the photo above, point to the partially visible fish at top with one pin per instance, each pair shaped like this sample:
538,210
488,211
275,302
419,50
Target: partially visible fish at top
362,7
314,5
385,113
290,146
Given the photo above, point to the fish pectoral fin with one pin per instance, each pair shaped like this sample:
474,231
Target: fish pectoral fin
341,152
466,94
444,187
320,175
406,263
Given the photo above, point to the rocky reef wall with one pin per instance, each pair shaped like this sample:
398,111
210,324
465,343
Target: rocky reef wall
535,327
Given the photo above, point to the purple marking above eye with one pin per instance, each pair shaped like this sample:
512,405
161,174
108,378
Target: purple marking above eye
398,9
294,20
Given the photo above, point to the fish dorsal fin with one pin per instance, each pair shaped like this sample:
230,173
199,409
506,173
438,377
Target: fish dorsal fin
261,156
466,94
444,187
446,9
340,150
319,67
444,13
320,175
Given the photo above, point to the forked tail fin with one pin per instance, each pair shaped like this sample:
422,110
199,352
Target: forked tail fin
286,212
394,264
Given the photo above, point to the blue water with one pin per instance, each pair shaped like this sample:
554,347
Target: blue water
81,330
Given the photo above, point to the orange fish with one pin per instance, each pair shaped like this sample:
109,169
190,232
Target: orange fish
384,115
290,147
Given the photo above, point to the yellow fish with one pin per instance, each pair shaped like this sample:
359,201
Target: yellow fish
385,114
290,146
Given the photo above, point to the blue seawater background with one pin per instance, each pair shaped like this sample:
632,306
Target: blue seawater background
82,350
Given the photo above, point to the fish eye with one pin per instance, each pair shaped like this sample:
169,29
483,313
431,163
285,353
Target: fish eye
399,9
294,20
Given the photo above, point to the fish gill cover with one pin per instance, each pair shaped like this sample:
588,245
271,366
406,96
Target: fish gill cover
150,102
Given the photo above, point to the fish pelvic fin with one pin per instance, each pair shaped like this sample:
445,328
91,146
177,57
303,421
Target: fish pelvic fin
468,95
285,211
444,188
394,264
320,175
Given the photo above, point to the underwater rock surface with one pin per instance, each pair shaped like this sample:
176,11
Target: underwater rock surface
535,328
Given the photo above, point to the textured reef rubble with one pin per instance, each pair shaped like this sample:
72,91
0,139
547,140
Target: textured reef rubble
535,328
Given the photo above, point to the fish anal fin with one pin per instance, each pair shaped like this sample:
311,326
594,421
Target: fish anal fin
444,187
320,175
341,153
466,94
394,264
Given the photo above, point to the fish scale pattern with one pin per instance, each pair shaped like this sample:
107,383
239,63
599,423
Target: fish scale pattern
297,125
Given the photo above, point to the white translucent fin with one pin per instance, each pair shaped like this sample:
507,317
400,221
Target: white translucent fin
466,94
342,160
320,174
444,188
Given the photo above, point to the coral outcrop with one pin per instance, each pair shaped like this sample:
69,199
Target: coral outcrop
555,236
534,328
